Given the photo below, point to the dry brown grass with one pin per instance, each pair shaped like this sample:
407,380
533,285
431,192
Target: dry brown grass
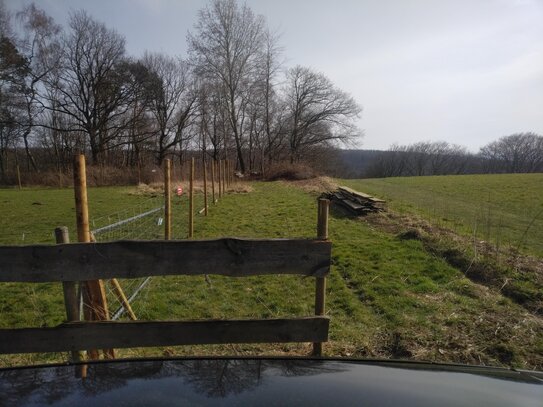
289,172
315,185
157,188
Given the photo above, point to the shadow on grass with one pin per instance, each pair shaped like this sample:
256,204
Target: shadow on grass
339,212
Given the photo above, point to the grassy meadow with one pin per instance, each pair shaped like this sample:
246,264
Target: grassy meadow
503,209
387,297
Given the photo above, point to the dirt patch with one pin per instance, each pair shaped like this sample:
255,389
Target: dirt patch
397,346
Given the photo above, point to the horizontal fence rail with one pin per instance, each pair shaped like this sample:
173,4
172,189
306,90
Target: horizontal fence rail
75,336
131,259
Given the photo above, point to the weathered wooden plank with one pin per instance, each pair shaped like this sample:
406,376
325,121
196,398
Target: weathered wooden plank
356,212
131,259
355,206
107,334
360,194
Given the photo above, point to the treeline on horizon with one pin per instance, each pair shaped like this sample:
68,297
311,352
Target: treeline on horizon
75,89
517,153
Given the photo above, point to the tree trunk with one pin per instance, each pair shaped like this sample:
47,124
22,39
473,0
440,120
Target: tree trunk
237,136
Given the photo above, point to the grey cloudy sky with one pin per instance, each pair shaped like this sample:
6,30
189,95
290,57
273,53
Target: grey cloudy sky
464,71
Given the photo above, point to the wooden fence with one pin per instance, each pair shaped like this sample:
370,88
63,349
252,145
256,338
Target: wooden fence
129,259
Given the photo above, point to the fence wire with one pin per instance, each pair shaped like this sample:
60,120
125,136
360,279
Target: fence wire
220,297
142,222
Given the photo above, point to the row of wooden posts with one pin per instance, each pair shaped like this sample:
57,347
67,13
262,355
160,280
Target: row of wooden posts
135,259
93,291
222,177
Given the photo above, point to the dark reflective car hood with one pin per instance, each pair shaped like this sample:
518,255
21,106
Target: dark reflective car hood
227,381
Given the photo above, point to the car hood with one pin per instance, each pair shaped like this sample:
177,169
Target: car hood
292,381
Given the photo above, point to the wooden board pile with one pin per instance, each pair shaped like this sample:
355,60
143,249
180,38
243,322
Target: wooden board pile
356,202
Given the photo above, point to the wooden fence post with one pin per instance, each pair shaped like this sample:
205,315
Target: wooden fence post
320,283
219,165
224,177
205,186
94,294
69,289
167,200
191,199
213,181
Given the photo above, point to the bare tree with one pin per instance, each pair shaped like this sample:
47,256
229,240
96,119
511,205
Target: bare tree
93,83
521,152
422,158
214,117
13,71
172,100
319,113
446,158
268,69
225,49
39,47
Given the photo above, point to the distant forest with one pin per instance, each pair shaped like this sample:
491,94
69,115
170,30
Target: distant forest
517,153
75,89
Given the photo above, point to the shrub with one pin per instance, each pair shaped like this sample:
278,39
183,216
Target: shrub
289,172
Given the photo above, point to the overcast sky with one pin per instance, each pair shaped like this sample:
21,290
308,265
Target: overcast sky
463,71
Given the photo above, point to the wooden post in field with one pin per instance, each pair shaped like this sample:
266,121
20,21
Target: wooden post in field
191,199
224,177
213,181
19,177
320,283
69,289
167,200
220,177
94,294
205,186
81,206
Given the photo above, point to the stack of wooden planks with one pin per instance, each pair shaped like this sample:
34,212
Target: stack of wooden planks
356,202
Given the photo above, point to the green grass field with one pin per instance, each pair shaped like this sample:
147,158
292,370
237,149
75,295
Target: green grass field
386,297
505,209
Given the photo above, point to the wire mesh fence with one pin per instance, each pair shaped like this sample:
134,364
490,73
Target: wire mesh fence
126,298
198,297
